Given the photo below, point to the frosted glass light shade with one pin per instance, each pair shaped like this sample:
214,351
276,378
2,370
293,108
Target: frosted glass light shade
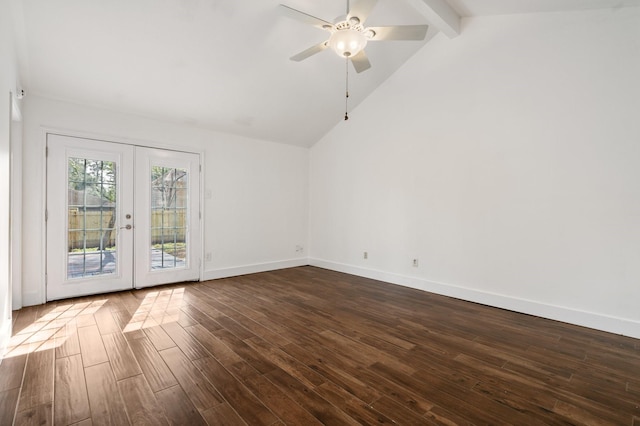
347,42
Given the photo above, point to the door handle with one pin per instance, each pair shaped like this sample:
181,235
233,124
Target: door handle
126,227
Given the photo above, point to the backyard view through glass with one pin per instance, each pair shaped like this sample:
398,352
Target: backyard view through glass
169,188
91,204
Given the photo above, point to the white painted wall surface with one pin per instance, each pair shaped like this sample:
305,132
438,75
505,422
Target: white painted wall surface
8,83
254,219
507,160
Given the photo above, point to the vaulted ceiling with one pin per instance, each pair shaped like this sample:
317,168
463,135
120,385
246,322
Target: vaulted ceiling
224,64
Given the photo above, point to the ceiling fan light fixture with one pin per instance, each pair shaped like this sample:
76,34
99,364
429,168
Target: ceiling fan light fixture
347,42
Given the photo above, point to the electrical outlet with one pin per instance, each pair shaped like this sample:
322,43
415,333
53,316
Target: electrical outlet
208,256
415,263
365,255
299,249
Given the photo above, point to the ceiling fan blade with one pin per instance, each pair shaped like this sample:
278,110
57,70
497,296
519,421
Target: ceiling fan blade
400,32
306,18
361,62
362,9
309,52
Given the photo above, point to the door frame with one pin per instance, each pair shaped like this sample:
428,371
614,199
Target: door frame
101,137
15,195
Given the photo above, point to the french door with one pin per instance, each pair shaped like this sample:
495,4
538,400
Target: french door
119,217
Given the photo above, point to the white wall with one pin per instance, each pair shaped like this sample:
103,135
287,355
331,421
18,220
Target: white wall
507,161
254,219
8,77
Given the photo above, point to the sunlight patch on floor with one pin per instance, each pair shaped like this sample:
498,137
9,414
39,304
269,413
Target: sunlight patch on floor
50,330
157,308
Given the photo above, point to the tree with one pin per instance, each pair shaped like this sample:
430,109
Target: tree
96,180
166,181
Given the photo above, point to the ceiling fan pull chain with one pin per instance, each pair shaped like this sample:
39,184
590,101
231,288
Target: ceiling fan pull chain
346,100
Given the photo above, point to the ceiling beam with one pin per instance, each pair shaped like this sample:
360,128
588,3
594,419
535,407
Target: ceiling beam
440,15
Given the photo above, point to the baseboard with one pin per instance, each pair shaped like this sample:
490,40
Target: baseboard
592,320
254,268
5,336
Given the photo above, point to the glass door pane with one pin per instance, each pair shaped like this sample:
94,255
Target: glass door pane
169,212
91,207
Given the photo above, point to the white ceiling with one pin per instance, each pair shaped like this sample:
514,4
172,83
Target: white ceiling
508,7
223,64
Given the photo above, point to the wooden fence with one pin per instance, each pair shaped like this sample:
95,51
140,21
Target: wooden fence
165,225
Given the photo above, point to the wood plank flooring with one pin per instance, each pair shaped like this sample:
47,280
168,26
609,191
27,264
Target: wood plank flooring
307,346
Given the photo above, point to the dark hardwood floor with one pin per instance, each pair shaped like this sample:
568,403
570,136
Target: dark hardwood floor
308,346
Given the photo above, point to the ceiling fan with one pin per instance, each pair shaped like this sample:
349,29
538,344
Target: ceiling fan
348,35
